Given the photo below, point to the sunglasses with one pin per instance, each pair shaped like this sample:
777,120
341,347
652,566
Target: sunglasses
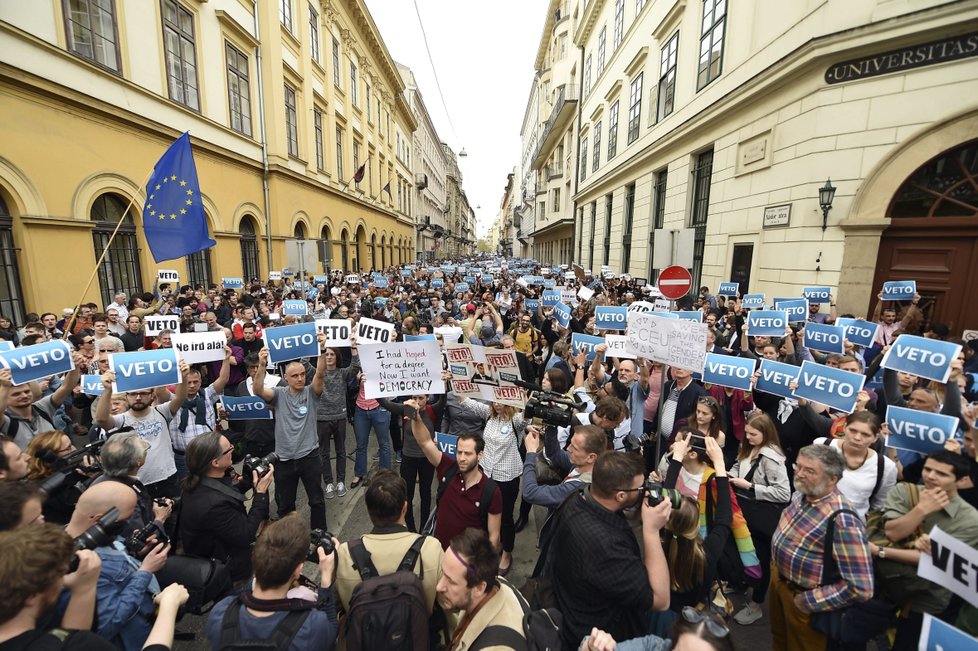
715,628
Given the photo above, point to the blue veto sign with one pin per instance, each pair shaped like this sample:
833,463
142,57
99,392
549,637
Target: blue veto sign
381,282
776,378
286,343
232,283
548,284
145,369
246,408
817,294
297,308
486,279
929,358
694,316
797,308
586,343
532,304
767,323
550,297
37,361
936,635
899,290
406,273
563,314
427,337
826,338
859,332
753,301
918,431
320,279
446,443
437,283
728,371
91,385
461,287
611,317
829,386
728,289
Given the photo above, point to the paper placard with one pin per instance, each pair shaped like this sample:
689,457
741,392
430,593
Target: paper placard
420,338
168,276
796,308
817,294
767,323
951,564
232,283
352,279
776,378
91,385
198,347
858,332
446,443
611,317
929,358
640,306
918,431
753,301
38,361
550,298
145,369
286,343
936,635
154,325
586,293
694,316
461,287
568,296
899,290
320,279
372,331
681,344
295,307
246,408
562,313
532,304
826,338
587,343
618,347
381,283
728,371
401,368
829,386
275,275
728,289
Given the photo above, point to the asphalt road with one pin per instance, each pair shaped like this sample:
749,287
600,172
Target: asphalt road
347,518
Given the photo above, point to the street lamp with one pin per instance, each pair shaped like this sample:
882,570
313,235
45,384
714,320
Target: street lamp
826,194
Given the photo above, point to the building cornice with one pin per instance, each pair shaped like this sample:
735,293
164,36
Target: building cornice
548,26
591,12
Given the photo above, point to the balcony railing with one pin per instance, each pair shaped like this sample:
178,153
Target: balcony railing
555,171
565,95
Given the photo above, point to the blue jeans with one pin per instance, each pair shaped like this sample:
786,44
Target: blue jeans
380,420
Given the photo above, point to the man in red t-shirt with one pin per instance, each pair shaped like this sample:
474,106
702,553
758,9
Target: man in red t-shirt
460,504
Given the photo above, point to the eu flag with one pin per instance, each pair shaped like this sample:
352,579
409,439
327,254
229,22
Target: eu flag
174,218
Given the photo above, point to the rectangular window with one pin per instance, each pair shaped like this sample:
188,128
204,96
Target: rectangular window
314,34
91,31
583,158
317,120
619,24
353,83
667,77
370,115
594,219
562,46
199,268
635,108
181,55
356,155
602,39
587,75
339,153
579,233
658,217
596,156
387,115
702,177
239,96
555,200
337,80
608,203
711,42
626,236
639,6
285,13
291,121
613,130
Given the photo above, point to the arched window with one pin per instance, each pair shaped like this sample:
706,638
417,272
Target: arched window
11,297
383,251
300,231
249,249
946,186
345,250
119,271
373,252
325,248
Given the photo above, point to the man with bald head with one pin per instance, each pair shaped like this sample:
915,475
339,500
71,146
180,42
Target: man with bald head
126,585
296,437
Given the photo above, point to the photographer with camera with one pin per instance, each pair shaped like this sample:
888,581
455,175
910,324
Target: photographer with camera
608,415
213,519
271,611
14,462
574,464
61,470
126,586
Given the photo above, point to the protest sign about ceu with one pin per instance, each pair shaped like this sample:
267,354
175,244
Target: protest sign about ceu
929,358
776,378
403,368
918,431
728,371
154,325
826,338
829,386
197,347
951,564
38,361
286,343
446,443
372,331
858,332
936,635
246,408
146,369
677,343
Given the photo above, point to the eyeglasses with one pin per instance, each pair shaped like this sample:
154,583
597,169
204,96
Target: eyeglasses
139,394
804,470
228,451
630,490
715,628
88,341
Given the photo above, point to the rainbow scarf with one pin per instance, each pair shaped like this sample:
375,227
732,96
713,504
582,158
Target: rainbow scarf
741,534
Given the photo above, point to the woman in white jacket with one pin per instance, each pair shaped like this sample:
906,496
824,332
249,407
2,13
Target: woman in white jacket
760,479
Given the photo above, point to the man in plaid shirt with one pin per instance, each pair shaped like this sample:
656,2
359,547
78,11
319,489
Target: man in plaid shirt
797,585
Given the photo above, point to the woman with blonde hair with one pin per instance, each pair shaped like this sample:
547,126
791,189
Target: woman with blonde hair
46,451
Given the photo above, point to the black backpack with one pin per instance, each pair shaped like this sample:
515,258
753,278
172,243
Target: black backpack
387,612
281,638
541,629
15,421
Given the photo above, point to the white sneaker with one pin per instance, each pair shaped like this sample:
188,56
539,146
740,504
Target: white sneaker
341,489
748,615
329,491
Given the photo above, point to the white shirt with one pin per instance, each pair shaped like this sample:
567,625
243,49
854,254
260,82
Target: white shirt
121,309
501,459
857,485
152,428
181,439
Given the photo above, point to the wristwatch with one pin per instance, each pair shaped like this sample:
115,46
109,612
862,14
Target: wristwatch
882,552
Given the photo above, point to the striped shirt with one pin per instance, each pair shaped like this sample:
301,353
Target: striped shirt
501,458
798,549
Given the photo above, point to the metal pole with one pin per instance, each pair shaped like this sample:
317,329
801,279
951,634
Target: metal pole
658,414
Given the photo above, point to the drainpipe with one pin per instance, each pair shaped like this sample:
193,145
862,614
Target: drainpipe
264,142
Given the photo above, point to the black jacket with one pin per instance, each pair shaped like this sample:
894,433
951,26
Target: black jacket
686,406
214,524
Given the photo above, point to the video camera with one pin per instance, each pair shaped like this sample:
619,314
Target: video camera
319,538
551,408
99,534
68,469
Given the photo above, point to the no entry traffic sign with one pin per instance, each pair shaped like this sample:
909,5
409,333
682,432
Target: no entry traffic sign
674,282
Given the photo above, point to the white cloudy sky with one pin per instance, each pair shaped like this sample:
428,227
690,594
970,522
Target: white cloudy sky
483,53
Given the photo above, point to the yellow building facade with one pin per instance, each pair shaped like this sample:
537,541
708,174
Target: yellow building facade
284,100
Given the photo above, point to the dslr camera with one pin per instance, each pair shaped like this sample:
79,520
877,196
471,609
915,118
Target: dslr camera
251,464
138,539
99,534
319,538
655,494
